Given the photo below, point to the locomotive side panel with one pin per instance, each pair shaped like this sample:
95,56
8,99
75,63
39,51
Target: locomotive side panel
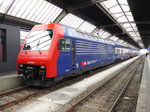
90,53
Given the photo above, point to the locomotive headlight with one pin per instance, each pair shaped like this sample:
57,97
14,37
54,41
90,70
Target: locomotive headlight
21,65
42,66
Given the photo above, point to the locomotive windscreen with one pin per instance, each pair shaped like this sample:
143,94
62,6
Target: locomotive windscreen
39,40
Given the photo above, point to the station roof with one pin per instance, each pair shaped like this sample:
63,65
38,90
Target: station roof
118,20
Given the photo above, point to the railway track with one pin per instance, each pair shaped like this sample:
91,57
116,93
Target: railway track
105,97
11,97
128,101
22,94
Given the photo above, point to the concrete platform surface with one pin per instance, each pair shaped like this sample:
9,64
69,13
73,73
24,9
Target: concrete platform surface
143,104
10,82
55,100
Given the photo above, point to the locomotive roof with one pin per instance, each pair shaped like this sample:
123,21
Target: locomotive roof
80,34
86,35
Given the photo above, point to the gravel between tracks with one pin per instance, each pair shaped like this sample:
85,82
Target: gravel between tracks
128,101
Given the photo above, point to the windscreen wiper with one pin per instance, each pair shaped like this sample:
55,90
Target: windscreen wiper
37,45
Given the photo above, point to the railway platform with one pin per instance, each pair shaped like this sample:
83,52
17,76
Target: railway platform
143,104
9,80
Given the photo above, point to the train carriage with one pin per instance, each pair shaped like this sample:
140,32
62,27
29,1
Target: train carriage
118,52
52,52
122,52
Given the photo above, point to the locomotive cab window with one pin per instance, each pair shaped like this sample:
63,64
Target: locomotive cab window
39,40
64,44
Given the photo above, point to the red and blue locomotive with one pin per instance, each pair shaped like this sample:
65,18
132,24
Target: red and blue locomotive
51,52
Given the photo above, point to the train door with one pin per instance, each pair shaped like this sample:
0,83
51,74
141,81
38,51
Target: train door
122,53
65,62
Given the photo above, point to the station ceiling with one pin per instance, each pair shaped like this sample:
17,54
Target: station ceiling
125,21
94,11
141,12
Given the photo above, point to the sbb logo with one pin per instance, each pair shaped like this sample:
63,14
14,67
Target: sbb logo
83,63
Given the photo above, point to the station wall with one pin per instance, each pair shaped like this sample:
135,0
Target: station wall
9,47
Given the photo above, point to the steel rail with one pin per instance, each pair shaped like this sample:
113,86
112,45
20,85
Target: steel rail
85,97
13,91
122,91
10,103
34,94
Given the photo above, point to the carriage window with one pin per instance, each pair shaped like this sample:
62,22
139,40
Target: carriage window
64,44
117,51
3,56
67,44
100,39
85,35
91,36
80,34
95,38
